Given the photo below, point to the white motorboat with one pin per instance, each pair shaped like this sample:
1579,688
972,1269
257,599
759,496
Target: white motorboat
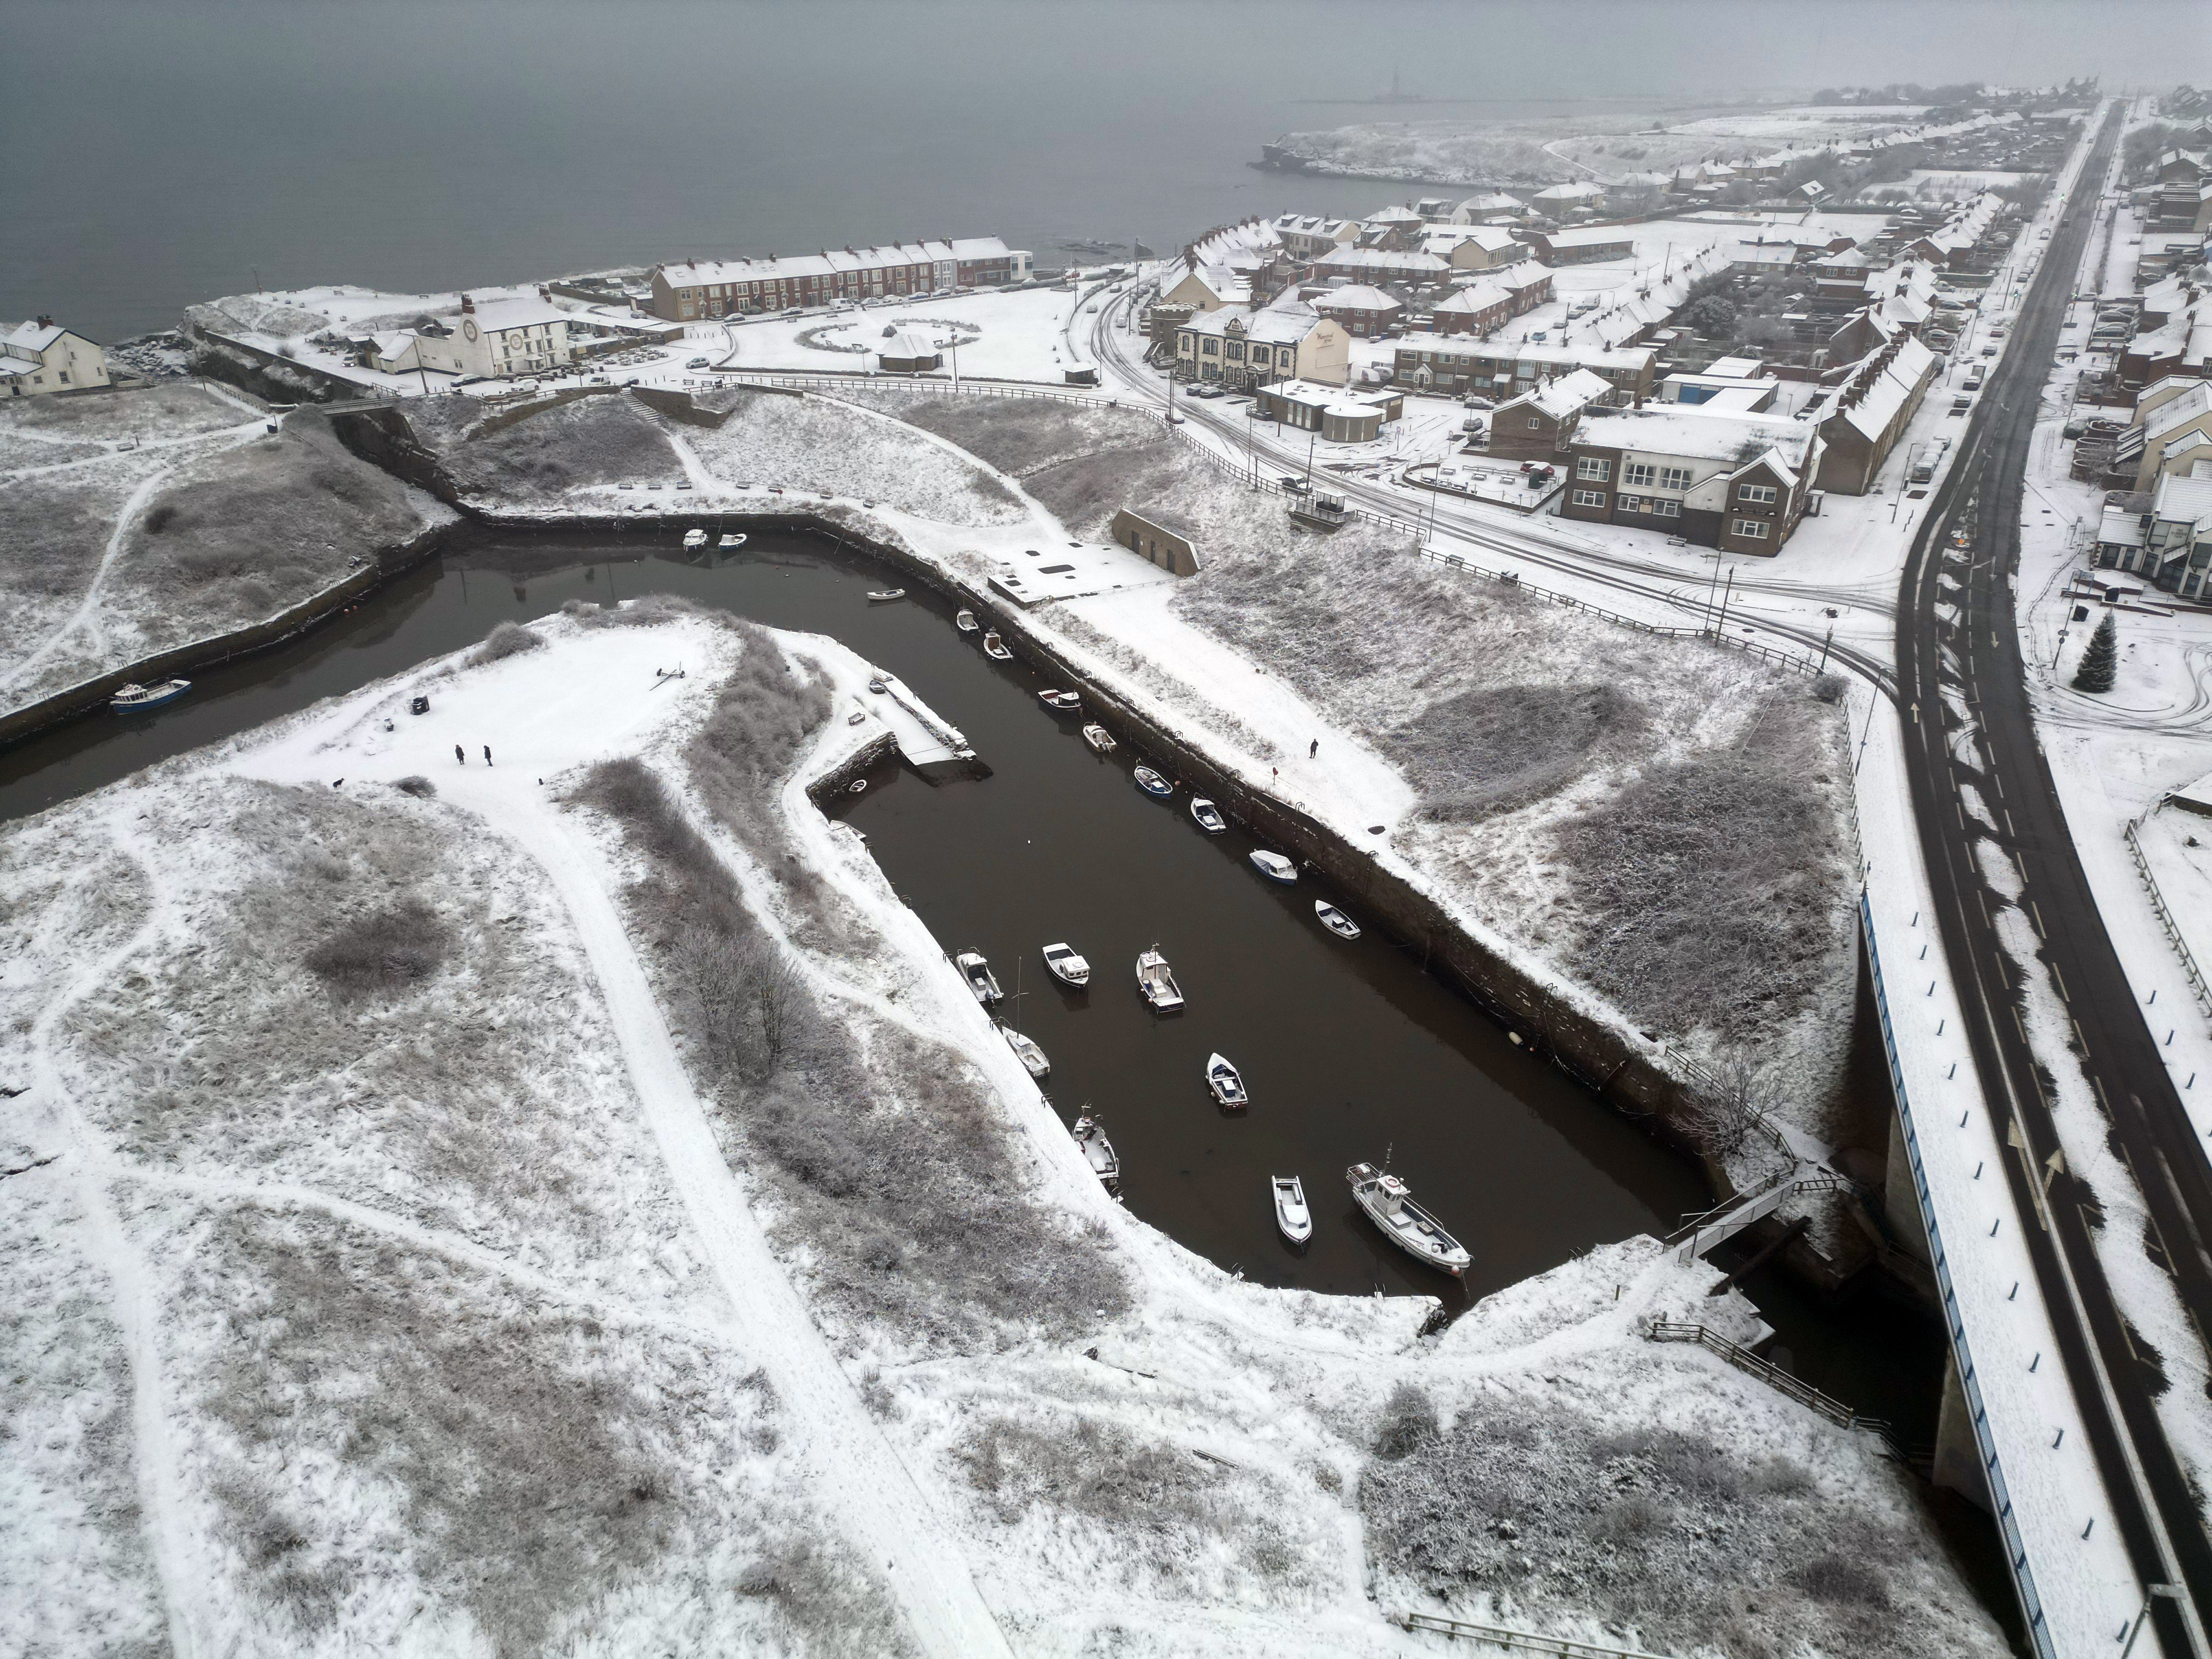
1227,1084
887,596
1060,702
995,648
1097,1151
731,543
695,539
1152,783
1389,1204
1099,739
879,684
1292,1219
965,621
1066,966
1032,1057
1274,866
977,972
1336,920
1208,814
1157,981
131,697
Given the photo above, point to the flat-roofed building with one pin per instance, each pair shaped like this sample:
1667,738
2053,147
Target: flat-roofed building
1340,414
1458,363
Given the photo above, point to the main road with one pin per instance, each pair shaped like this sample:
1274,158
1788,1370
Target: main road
1972,536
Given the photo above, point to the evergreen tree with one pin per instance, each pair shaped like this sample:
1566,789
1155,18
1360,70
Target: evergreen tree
2098,662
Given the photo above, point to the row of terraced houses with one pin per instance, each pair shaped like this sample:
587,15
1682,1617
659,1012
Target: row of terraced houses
699,289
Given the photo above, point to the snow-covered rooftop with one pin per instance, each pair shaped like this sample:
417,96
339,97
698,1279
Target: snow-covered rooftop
1569,394
1689,431
1357,296
693,273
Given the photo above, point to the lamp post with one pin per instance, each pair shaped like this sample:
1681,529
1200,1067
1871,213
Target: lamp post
2172,1592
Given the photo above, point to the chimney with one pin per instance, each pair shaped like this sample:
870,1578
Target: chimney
45,322
467,304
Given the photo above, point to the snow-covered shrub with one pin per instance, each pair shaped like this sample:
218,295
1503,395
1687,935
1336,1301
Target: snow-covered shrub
417,785
507,639
1498,747
558,448
382,950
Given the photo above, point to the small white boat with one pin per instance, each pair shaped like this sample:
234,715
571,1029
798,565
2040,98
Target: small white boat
1066,966
1336,920
1389,1204
729,543
1032,1057
995,648
1097,1151
1152,783
977,972
1274,866
858,786
695,539
1208,814
1157,981
1226,1082
878,685
887,596
965,621
1060,702
1099,739
854,719
147,697
1292,1219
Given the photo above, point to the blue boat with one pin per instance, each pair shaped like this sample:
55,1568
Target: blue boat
134,697
1152,783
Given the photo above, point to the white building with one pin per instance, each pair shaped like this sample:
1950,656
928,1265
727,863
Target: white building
1289,340
42,356
497,339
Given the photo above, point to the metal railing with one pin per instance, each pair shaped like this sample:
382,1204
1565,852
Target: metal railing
1782,1382
2165,920
1517,1641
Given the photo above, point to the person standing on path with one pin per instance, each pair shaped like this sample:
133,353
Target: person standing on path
1313,748
460,754
487,754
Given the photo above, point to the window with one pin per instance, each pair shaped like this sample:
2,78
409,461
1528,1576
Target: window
1636,472
1665,508
1589,498
1535,424
1212,347
1674,478
1236,351
1630,504
1590,467
1755,494
1751,530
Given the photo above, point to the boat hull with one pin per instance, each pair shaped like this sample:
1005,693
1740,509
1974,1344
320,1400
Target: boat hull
149,697
1413,1230
1293,1218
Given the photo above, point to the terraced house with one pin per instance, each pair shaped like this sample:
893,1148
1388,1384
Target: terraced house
1242,348
721,288
1736,482
1502,368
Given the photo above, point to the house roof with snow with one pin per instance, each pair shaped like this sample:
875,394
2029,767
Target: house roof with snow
1496,201
1688,432
1881,386
1474,298
1581,192
1283,324
831,262
1357,296
31,339
1443,239
2189,404
1361,261
499,316
1569,394
2181,499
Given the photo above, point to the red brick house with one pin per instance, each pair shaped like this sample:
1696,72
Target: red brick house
1738,483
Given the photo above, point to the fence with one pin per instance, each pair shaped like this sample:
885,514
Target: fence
1518,1641
2197,985
1780,1381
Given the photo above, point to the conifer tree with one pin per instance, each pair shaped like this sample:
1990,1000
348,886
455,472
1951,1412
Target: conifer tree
2098,662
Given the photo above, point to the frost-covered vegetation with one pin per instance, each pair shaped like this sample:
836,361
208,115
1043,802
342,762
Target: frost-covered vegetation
123,541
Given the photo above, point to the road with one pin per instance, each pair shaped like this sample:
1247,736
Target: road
1970,536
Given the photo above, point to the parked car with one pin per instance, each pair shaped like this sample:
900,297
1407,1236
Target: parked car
697,362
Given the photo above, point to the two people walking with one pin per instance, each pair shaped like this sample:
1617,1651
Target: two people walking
462,755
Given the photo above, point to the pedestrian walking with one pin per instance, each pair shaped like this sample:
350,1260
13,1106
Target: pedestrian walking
460,754
1313,748
487,754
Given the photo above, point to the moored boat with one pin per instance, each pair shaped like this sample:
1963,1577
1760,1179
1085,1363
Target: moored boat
1336,920
1060,702
732,542
1157,981
1097,1151
1292,1219
1274,866
1066,966
1389,1204
995,648
147,697
965,621
1208,814
977,972
1226,1082
695,539
887,596
1099,739
1032,1057
1152,783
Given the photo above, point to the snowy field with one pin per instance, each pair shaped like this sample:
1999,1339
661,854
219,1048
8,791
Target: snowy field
137,521
1022,336
410,1254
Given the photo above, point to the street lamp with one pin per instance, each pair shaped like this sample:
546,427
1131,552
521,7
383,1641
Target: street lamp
2172,1592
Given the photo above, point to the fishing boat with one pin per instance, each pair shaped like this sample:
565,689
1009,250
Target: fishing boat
1274,866
731,543
1032,1057
1099,739
1208,814
887,596
1060,702
1152,783
977,972
1292,1219
695,539
1336,920
1390,1205
1227,1083
1066,966
994,648
965,621
1097,1151
1157,981
147,697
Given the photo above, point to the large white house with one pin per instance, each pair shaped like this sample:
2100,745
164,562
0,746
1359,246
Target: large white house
499,338
1288,341
42,356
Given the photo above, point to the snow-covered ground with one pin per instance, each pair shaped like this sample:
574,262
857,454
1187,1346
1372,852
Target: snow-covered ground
1021,335
384,1276
140,521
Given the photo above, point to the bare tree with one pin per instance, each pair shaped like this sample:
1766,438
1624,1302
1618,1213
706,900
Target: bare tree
771,985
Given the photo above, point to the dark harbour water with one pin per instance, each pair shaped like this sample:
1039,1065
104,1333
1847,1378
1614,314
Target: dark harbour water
161,152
